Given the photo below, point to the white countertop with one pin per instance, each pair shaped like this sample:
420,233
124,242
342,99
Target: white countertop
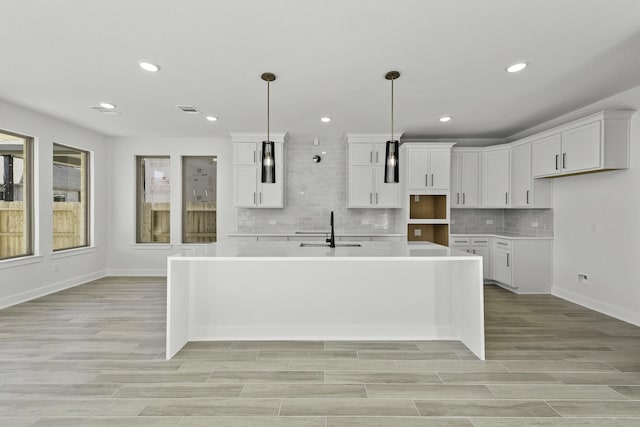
512,236
278,250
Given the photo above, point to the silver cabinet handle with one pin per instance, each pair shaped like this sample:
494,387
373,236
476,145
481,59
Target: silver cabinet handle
506,198
527,196
376,198
508,263
432,180
474,251
370,198
377,157
370,156
254,197
557,157
501,243
464,198
564,160
458,199
426,179
481,241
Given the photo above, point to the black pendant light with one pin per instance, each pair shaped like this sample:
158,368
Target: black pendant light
391,158
268,147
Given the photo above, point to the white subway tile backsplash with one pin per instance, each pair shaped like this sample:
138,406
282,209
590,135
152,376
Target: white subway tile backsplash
517,221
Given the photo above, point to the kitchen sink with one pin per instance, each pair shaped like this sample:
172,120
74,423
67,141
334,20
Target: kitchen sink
326,245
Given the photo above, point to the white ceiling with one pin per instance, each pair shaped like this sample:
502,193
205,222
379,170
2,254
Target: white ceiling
330,56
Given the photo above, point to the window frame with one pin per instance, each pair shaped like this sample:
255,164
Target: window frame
86,175
183,199
139,197
28,196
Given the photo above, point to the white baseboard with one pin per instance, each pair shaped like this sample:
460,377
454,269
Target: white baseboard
602,307
137,272
49,289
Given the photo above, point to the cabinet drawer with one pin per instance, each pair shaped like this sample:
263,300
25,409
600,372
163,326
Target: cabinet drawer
459,241
503,243
480,241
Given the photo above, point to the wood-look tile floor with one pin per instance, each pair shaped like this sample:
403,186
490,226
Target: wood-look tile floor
94,356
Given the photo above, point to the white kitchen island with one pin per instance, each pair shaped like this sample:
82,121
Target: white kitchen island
281,291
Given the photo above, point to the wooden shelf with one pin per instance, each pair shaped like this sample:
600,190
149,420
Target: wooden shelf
435,233
422,206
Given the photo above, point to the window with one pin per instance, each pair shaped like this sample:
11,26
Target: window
16,210
70,197
199,199
153,204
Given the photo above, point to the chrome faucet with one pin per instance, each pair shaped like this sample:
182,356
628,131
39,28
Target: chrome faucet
332,240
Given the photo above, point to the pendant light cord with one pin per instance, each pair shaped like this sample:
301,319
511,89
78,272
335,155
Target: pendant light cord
268,112
392,109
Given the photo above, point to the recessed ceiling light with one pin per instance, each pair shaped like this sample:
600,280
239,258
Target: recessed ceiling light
445,119
107,105
212,118
516,67
147,66
325,119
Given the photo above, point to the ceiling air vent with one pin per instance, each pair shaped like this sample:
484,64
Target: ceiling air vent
189,109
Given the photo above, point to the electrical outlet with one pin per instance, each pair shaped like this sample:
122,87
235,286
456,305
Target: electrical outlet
417,232
416,198
534,224
489,221
272,222
583,278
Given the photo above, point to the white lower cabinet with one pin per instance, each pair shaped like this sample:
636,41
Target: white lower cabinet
521,265
502,262
477,246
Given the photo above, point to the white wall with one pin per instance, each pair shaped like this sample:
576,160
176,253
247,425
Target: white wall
47,272
124,256
597,230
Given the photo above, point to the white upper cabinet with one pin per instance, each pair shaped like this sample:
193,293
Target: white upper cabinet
465,178
248,190
595,143
496,177
428,166
527,192
366,186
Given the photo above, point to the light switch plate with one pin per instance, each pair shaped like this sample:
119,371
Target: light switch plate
417,232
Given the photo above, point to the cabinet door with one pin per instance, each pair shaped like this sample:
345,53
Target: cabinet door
581,148
545,156
385,195
360,187
361,154
470,180
270,195
521,180
379,153
245,180
496,177
456,196
502,265
440,168
245,153
483,251
418,161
